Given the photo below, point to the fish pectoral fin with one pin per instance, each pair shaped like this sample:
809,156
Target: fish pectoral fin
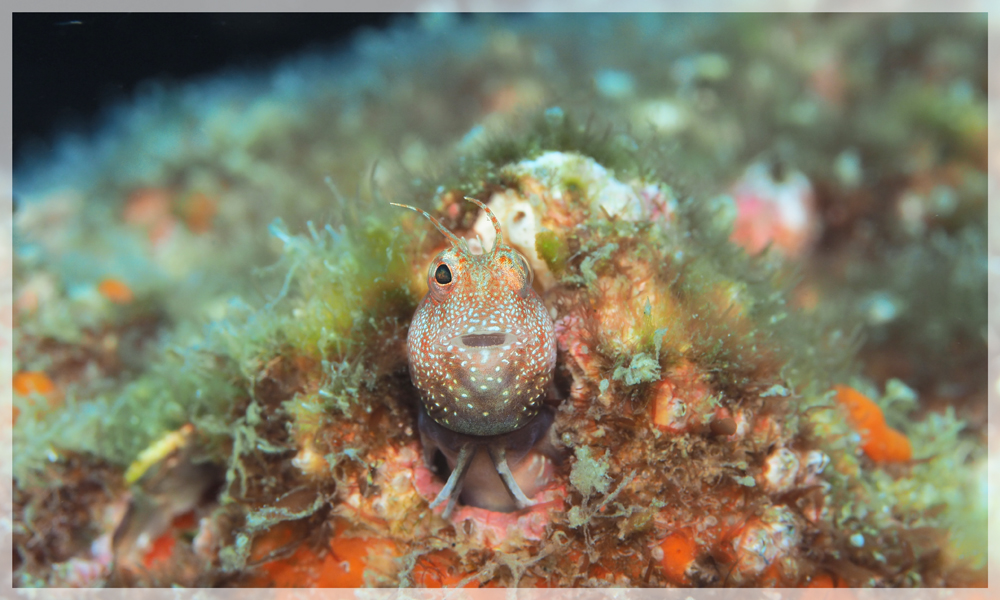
453,487
499,456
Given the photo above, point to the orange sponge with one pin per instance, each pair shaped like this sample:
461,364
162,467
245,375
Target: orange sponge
880,442
115,291
679,553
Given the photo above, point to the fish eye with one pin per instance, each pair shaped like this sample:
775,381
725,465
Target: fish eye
442,274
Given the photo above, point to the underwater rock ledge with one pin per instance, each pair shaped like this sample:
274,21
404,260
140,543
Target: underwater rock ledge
718,418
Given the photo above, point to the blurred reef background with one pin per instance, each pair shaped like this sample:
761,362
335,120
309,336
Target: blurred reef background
763,240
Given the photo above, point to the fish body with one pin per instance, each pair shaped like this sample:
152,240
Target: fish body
482,346
481,352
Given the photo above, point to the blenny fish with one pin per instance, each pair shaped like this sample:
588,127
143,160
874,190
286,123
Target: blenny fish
481,352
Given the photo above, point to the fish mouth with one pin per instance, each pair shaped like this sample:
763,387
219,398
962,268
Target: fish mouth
490,339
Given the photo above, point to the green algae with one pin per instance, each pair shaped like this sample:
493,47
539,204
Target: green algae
553,250
317,312
589,474
336,274
641,368
180,388
340,389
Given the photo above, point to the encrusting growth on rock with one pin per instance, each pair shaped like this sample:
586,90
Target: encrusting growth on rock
625,363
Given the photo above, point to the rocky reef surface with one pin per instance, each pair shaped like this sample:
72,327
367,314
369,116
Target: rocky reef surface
762,240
